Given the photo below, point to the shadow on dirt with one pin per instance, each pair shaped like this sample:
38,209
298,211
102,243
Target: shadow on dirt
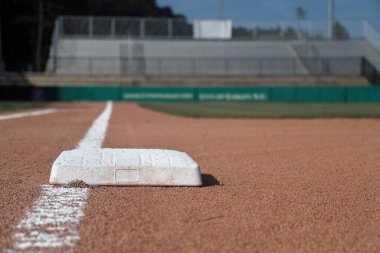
209,180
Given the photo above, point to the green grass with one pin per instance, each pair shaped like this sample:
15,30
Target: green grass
270,110
10,106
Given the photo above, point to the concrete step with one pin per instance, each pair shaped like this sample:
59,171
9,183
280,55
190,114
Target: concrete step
56,80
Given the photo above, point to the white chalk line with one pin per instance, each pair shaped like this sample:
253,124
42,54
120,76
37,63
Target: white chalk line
54,218
95,135
27,114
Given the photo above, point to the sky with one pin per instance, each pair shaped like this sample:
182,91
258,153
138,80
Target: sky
275,9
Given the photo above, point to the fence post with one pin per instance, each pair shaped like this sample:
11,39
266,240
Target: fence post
326,66
260,66
160,67
142,28
113,27
60,26
90,66
193,67
294,66
319,65
227,67
170,28
90,26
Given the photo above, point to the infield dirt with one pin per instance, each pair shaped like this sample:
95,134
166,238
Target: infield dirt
271,185
28,147
285,186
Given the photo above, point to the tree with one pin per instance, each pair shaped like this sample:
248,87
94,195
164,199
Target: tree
27,25
290,33
272,32
241,32
340,31
301,13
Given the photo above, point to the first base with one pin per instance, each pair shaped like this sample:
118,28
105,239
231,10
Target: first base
106,166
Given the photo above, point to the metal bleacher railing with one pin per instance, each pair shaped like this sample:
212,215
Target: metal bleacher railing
195,67
372,35
77,26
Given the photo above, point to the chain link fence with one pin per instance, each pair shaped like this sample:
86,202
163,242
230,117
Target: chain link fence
124,27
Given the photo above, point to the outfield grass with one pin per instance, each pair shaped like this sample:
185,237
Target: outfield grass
10,106
272,110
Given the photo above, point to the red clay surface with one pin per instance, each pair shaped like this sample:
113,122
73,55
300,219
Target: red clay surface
28,147
286,185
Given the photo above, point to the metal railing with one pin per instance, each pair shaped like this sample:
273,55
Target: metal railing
112,27
370,72
124,27
372,35
222,67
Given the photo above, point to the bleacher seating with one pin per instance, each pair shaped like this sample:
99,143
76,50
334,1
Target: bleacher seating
208,57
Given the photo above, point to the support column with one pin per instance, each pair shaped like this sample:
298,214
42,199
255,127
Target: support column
330,21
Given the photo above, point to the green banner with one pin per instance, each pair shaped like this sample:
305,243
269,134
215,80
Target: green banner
363,94
214,94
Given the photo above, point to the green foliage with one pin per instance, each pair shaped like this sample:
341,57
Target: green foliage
241,32
340,31
301,13
269,32
20,23
290,33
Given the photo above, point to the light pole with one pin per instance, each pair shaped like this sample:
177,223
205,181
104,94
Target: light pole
221,9
330,19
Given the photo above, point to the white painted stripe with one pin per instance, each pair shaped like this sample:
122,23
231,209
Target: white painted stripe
27,114
54,218
95,135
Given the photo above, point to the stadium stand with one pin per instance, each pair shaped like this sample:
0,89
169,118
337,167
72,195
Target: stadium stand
100,46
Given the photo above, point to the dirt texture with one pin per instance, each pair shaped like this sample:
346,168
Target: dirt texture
270,186
28,147
75,184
